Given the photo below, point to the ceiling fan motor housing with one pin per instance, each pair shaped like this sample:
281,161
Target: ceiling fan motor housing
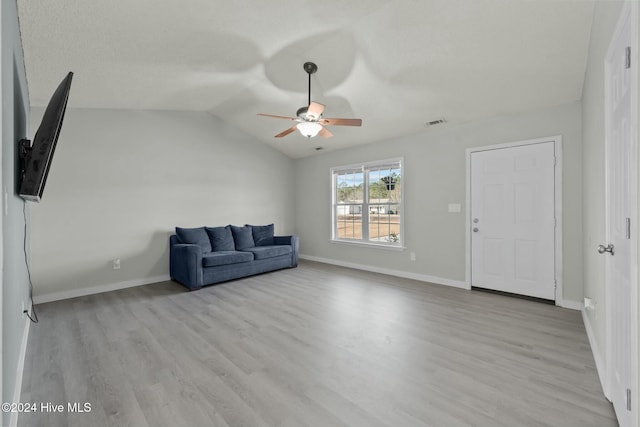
302,112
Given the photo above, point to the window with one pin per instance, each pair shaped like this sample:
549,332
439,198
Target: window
367,203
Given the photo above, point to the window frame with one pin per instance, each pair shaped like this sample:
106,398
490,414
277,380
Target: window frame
366,168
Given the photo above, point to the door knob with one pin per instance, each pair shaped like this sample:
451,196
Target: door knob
602,249
475,229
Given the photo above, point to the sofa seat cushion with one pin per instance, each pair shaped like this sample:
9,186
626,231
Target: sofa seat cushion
263,252
214,259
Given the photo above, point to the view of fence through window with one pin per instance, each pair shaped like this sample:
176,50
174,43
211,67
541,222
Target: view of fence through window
367,203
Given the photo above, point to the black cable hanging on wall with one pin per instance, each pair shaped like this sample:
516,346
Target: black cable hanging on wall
33,319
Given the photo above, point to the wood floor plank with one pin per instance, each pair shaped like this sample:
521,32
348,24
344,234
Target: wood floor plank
314,346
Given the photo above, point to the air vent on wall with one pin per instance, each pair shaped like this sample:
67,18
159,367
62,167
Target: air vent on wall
436,122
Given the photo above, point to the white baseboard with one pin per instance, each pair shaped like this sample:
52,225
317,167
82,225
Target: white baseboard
72,293
600,366
17,391
390,272
572,305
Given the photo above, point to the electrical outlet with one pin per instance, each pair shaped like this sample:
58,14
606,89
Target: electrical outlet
412,256
116,264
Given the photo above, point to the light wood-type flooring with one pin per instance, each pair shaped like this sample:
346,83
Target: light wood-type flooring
314,346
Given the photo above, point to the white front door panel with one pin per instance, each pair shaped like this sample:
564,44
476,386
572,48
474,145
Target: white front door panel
513,224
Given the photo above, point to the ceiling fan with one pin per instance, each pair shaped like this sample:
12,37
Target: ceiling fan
309,118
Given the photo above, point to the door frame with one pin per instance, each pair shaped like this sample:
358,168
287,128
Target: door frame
3,398
629,11
557,144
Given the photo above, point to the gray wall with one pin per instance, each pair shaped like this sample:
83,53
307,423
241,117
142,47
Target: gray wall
121,180
435,175
15,287
604,21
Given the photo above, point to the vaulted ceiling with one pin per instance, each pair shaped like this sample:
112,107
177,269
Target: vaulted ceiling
395,64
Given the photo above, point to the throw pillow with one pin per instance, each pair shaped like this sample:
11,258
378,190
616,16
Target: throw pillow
242,237
262,234
194,236
221,238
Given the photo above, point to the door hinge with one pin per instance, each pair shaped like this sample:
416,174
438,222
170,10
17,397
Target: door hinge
628,228
628,399
627,57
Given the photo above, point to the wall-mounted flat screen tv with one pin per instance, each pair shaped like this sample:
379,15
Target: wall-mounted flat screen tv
35,158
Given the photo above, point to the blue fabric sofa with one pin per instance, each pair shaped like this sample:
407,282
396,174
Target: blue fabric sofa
207,255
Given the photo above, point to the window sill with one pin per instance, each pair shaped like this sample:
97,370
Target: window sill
368,245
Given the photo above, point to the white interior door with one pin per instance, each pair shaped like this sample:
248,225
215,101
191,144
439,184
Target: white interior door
512,235
621,230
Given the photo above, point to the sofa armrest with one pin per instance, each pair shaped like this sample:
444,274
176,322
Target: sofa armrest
294,241
185,264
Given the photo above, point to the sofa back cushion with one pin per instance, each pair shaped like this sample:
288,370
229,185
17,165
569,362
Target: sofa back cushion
194,236
262,234
242,237
221,238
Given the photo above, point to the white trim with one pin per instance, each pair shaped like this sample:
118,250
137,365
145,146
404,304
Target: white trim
72,293
557,143
571,305
364,166
360,243
387,271
635,113
600,365
17,391
559,262
2,208
360,165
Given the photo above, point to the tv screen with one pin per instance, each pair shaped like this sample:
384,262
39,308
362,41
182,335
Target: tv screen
36,157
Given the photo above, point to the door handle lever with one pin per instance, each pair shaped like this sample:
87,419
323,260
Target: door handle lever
609,248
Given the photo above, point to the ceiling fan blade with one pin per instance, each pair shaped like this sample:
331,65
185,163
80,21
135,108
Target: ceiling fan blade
325,133
342,122
286,132
314,111
278,117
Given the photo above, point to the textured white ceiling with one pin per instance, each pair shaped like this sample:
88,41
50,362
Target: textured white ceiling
395,64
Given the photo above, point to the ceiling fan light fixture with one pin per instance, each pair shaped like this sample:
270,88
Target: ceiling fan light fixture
309,129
